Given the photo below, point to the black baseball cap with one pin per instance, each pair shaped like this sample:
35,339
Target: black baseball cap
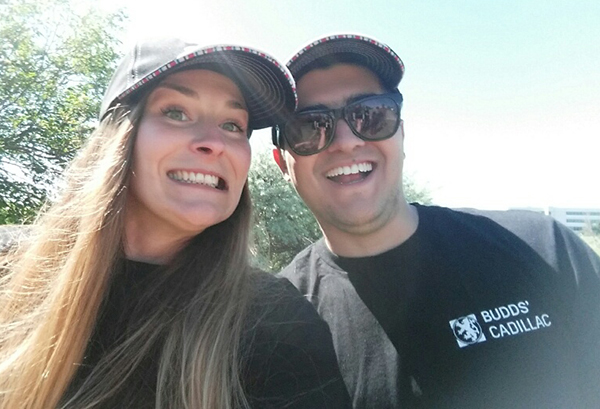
267,86
353,49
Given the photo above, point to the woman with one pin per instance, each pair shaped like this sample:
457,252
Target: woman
133,288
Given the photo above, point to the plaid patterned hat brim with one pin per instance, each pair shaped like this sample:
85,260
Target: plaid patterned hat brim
267,86
349,48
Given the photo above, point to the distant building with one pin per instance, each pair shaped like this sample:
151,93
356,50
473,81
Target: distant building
577,219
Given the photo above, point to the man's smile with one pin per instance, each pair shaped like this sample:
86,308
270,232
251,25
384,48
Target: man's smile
350,174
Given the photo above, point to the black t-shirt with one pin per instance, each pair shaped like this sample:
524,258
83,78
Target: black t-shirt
475,310
289,359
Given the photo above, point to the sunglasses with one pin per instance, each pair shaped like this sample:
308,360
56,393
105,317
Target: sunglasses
372,118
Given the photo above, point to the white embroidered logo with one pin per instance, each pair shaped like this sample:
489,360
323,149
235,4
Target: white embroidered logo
467,330
504,321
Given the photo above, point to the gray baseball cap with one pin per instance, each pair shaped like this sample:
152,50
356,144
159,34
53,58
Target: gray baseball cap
350,48
267,86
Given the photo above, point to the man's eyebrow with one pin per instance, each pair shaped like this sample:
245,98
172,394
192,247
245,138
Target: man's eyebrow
316,107
349,100
356,97
193,94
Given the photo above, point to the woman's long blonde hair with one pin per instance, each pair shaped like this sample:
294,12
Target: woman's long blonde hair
53,285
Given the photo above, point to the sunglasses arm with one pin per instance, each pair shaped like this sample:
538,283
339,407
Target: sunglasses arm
276,135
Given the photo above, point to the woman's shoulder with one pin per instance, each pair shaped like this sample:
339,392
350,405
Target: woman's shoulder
276,300
269,285
291,361
281,319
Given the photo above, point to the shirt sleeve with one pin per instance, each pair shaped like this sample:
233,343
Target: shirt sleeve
579,262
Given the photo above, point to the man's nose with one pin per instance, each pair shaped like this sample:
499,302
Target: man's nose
344,139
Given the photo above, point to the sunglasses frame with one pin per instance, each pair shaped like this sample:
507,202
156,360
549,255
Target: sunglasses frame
278,131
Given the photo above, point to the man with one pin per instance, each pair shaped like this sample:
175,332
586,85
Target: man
428,307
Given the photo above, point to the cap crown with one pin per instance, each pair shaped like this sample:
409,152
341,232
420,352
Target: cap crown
267,86
352,49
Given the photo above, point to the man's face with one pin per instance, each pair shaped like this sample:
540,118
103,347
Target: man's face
353,186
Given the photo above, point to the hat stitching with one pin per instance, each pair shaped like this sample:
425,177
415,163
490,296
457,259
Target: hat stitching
347,36
199,53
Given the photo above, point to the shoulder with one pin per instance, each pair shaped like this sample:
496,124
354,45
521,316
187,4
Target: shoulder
310,267
514,220
525,230
521,222
277,302
524,224
542,233
290,359
299,265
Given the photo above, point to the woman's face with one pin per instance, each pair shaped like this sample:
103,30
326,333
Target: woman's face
190,161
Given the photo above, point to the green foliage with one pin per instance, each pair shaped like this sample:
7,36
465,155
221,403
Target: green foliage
591,235
593,241
284,225
414,193
56,58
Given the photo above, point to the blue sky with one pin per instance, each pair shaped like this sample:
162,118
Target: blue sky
502,98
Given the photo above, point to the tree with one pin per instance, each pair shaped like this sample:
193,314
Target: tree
591,235
415,193
56,58
284,225
593,241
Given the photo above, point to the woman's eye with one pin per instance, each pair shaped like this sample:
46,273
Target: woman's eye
175,114
232,127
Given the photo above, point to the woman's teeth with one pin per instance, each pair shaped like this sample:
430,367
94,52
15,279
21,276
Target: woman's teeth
195,178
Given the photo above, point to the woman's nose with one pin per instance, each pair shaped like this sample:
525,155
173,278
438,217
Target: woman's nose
208,140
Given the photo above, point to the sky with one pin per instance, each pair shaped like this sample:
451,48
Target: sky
501,97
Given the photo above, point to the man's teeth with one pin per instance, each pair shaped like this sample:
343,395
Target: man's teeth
350,170
196,178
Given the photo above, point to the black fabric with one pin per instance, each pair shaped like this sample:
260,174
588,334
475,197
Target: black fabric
115,321
524,282
288,357
289,361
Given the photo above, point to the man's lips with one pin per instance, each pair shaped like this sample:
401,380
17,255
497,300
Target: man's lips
351,173
198,178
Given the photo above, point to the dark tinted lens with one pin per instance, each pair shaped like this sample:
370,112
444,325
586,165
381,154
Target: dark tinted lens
375,118
308,133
